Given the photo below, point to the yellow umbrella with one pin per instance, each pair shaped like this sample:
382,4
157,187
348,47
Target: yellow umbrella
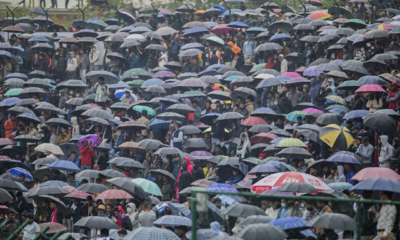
336,99
336,136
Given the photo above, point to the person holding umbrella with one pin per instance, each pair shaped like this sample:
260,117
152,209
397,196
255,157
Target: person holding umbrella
101,90
10,126
87,154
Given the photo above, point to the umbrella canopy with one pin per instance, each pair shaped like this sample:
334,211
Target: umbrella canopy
370,172
243,210
377,184
380,121
336,137
148,186
343,157
171,221
261,231
333,221
96,222
64,165
92,188
298,187
151,233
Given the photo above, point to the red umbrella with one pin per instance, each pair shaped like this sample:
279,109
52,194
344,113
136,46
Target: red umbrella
376,173
4,158
223,28
278,179
77,194
114,194
5,209
202,126
251,121
319,15
262,138
291,74
54,227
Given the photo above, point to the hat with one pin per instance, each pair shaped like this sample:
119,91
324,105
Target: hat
102,207
280,55
365,139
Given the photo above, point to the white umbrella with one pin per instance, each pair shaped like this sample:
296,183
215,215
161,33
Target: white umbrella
56,150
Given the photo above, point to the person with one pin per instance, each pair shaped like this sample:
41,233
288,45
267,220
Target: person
175,136
147,216
127,98
312,211
180,231
274,209
87,154
284,104
323,207
284,63
75,127
10,126
248,49
94,57
101,90
185,177
244,147
32,229
43,213
64,136
72,65
393,98
163,59
56,215
236,177
145,121
133,60
166,189
386,217
121,219
386,151
365,151
289,209
235,50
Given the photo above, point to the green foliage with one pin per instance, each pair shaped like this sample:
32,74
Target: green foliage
21,12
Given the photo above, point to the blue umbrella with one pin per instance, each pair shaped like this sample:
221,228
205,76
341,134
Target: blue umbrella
369,79
294,115
94,20
282,166
195,30
237,24
9,102
17,171
309,233
38,38
172,221
64,165
340,186
218,7
37,11
225,199
215,211
289,223
343,157
265,168
277,140
208,118
377,184
356,114
152,82
215,66
221,187
54,183
227,12
232,78
311,72
159,124
211,24
339,112
178,209
120,92
112,21
6,54
279,37
28,116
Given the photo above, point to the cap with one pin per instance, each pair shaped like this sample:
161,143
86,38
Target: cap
280,55
102,207
365,139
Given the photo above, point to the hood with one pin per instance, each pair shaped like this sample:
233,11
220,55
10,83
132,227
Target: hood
132,206
74,120
216,228
71,54
384,139
230,43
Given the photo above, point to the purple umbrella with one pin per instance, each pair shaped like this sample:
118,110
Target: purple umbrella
298,80
246,183
221,187
312,110
311,72
164,74
93,140
201,155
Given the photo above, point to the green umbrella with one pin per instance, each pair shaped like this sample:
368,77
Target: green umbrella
132,72
349,85
136,83
257,67
25,36
139,108
14,92
216,40
337,106
148,186
355,23
99,24
290,142
190,94
120,105
253,160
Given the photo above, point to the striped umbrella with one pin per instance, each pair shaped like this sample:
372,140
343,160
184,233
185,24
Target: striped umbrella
336,136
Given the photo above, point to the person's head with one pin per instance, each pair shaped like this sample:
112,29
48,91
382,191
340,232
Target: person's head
386,196
29,216
147,206
13,117
101,209
73,156
104,232
100,80
311,205
264,205
85,143
235,172
109,208
11,215
322,204
45,204
366,141
71,177
218,202
122,233
117,214
180,231
53,204
313,171
89,200
19,196
21,177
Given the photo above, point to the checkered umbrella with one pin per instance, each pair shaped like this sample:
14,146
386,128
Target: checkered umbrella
151,233
171,221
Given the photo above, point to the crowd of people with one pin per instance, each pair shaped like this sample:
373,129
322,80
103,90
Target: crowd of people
108,126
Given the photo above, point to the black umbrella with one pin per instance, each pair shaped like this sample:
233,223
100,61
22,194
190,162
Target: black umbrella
10,185
190,129
297,187
312,135
88,173
127,185
230,116
329,118
130,163
170,116
57,122
163,172
110,173
27,138
281,133
242,210
68,148
197,143
151,144
92,188
282,25
294,153
261,231
168,151
48,190
30,91
333,221
59,204
254,220
96,222
340,10
97,112
259,128
75,101
380,121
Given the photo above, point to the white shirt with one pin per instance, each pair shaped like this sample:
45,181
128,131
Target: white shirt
176,139
164,60
272,213
30,231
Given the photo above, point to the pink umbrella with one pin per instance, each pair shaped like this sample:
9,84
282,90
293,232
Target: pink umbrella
313,110
371,172
291,74
77,194
278,179
262,138
223,28
70,188
114,194
370,88
251,121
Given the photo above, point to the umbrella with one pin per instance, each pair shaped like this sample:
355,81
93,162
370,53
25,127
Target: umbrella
96,222
294,153
128,185
64,165
284,26
96,112
148,186
340,186
380,121
261,231
290,142
171,221
88,173
328,118
165,31
371,88
10,185
377,184
163,172
333,221
336,136
243,210
17,171
268,47
265,168
93,140
92,188
151,233
202,183
221,187
48,190
178,209
278,179
298,187
343,157
355,24
114,194
109,173
370,172
4,195
109,78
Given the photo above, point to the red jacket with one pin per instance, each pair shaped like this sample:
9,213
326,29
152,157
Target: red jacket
87,154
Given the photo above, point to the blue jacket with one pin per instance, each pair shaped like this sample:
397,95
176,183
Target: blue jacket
248,48
133,61
77,161
175,46
349,175
235,179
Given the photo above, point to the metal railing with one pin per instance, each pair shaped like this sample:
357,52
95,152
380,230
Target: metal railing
204,196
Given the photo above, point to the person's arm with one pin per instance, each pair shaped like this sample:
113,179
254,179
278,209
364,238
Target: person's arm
236,179
388,99
369,152
391,216
179,138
